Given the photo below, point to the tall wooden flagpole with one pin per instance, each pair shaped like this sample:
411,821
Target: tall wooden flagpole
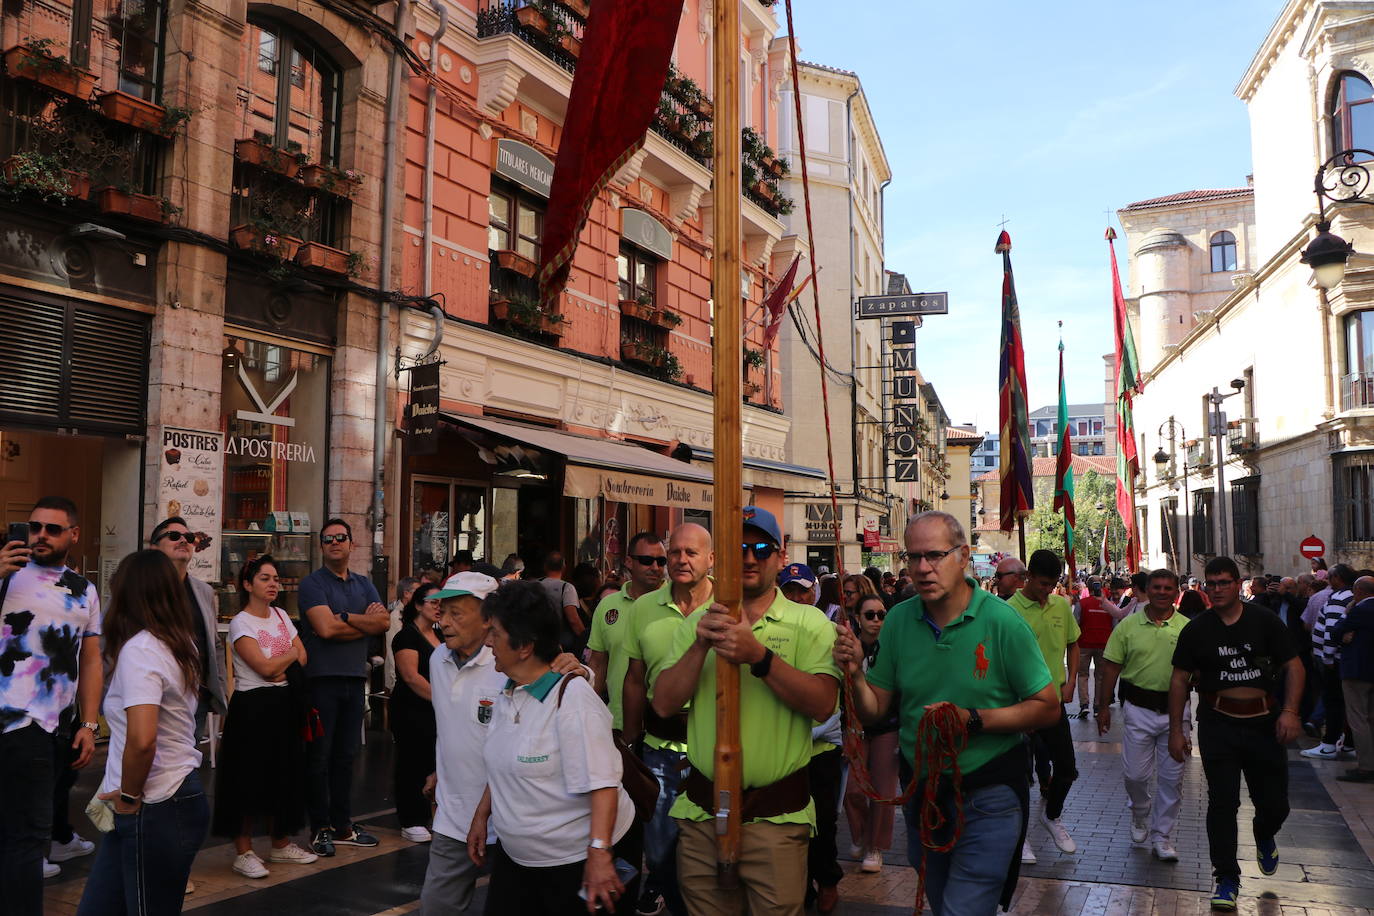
727,523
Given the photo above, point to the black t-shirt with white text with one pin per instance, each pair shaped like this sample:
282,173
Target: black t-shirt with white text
1249,653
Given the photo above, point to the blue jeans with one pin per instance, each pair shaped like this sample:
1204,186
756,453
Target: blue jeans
967,880
329,758
660,834
143,864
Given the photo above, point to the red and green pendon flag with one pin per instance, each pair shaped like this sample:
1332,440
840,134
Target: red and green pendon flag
1063,471
1128,385
625,53
1014,419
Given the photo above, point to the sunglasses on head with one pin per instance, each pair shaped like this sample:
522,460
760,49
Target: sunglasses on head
52,528
874,615
175,536
762,549
644,559
334,538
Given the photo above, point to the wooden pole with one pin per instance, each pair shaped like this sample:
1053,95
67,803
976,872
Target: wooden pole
727,523
1021,536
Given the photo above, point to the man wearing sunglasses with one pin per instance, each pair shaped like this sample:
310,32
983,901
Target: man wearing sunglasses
788,683
338,610
645,561
179,543
51,646
1239,654
1008,578
956,644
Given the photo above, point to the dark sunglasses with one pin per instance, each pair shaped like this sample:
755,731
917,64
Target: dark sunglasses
1220,583
874,615
52,528
174,536
643,559
762,549
334,538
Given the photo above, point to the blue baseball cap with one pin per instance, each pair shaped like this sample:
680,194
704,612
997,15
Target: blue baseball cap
764,521
799,573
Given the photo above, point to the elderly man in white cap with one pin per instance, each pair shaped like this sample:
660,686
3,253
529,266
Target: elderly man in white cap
464,683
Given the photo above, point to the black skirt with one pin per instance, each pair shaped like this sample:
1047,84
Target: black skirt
261,764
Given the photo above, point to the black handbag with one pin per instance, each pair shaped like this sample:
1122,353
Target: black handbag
639,781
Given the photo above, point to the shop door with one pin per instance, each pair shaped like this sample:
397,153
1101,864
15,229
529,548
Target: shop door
820,556
446,516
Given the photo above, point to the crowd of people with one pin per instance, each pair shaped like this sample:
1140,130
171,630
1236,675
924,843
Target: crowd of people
559,734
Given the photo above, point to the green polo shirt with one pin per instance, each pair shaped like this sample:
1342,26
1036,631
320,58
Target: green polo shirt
775,740
654,622
1145,649
1054,628
986,658
610,622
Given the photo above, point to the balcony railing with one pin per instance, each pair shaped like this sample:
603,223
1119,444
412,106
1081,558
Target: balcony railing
683,127
553,29
1357,390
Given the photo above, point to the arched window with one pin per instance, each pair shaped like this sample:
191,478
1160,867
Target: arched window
291,92
1352,114
1223,246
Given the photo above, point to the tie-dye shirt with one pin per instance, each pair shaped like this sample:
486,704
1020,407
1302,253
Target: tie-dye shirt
48,610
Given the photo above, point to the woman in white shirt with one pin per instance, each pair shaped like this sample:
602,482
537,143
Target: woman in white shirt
264,713
160,811
553,796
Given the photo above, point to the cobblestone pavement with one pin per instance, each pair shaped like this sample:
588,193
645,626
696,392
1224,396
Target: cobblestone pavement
1327,850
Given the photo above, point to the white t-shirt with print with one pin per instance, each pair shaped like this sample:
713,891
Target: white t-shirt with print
541,769
273,635
47,612
146,674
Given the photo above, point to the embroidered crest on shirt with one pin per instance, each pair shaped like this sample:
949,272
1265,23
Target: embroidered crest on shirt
484,706
980,662
612,615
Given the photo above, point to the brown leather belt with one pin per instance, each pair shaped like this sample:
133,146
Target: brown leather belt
673,728
789,794
1153,700
1237,706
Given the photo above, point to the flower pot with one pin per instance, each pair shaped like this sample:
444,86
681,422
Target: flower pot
702,108
78,185
578,7
633,352
752,389
500,310
133,111
532,18
327,179
322,257
57,75
512,260
636,309
255,152
139,206
773,167
571,44
250,238
762,189
665,319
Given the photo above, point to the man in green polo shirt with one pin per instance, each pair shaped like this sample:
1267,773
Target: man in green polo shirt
653,621
955,643
1140,651
645,561
1051,619
790,682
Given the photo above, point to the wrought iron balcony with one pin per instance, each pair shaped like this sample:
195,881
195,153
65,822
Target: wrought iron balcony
553,29
1357,390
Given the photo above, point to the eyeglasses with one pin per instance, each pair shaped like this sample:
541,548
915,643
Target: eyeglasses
430,601
334,538
851,592
874,615
930,556
1003,574
644,559
762,549
175,536
1220,583
52,528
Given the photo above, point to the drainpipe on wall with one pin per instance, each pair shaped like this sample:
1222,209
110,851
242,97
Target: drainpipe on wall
379,432
1324,308
882,326
429,147
849,329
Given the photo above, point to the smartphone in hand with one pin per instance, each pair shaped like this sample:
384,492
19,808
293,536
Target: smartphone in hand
18,531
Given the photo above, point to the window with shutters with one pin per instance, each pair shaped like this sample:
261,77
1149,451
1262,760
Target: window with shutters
1354,498
1168,527
1203,541
1245,516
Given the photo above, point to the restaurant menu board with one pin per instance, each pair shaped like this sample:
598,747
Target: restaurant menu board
190,474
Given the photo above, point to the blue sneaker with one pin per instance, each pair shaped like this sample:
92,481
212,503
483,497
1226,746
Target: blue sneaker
1267,854
1228,889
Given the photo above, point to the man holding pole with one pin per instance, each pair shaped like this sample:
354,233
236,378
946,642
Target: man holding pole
790,682
954,643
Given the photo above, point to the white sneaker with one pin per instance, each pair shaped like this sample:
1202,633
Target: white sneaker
1164,850
1341,749
856,852
1321,752
416,834
1027,854
1140,831
78,847
249,865
292,854
873,862
50,870
1058,833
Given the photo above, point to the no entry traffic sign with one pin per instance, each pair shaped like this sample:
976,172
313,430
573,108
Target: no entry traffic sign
1312,547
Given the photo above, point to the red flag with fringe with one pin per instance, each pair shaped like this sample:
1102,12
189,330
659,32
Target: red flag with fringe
625,53
1128,385
1018,499
775,305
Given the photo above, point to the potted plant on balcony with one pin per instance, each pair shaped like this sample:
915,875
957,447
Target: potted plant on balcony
133,111
323,257
667,319
642,352
339,182
669,368
514,260
35,61
533,16
578,8
522,312
265,236
43,174
262,154
703,144
641,307
751,390
125,201
754,359
570,43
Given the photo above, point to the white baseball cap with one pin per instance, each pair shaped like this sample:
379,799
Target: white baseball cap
476,584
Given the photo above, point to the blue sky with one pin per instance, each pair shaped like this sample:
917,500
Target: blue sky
1050,113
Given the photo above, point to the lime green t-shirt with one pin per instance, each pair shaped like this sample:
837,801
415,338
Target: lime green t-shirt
610,623
654,621
1145,649
1054,628
986,658
775,740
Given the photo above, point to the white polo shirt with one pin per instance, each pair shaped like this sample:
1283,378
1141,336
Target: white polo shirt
542,768
464,699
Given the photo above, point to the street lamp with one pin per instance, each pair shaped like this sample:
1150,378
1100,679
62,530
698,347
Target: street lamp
1340,179
1166,467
